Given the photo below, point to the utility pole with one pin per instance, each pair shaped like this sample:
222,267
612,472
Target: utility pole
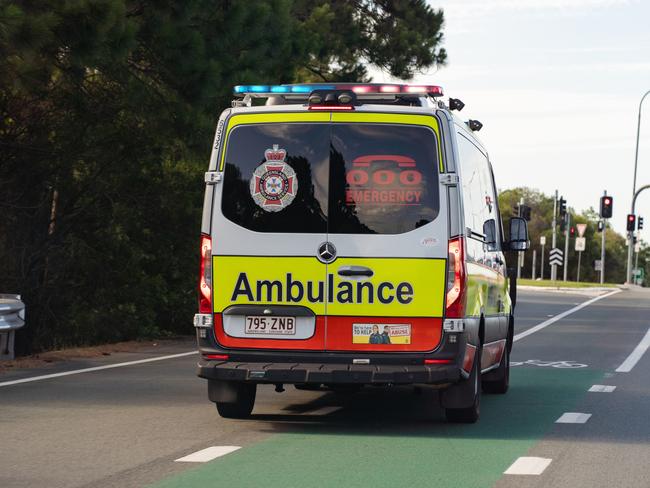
554,238
602,248
634,192
566,244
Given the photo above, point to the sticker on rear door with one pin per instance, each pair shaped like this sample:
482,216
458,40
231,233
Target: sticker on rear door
381,333
274,183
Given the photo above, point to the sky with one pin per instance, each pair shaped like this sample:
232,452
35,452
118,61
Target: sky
557,85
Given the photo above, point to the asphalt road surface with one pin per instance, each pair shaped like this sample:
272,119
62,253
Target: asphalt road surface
127,426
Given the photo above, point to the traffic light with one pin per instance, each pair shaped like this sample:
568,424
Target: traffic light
631,220
606,204
639,223
572,231
563,223
515,210
562,207
525,212
601,225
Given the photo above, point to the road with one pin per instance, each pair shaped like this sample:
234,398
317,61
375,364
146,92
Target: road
126,426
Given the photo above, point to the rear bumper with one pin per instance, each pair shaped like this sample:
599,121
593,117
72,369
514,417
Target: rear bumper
328,373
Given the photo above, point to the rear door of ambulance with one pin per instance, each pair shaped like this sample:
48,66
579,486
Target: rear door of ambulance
389,228
269,219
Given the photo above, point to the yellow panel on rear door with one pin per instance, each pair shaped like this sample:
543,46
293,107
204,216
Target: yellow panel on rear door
399,287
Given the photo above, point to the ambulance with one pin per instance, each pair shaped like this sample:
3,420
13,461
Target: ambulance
351,236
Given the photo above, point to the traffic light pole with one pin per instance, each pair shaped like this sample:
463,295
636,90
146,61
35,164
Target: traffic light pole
554,238
566,245
630,237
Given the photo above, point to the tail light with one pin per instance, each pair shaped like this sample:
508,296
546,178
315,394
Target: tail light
456,279
205,276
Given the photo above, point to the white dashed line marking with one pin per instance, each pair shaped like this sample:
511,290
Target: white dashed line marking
325,410
548,322
602,388
573,418
636,355
97,368
207,454
528,465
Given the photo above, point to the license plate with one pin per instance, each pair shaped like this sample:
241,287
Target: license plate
267,324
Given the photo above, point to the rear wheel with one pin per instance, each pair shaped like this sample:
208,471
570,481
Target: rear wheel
242,404
470,414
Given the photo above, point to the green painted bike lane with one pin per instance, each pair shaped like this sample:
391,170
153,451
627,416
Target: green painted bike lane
365,450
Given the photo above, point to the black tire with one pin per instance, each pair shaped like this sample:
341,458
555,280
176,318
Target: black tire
471,414
243,405
499,378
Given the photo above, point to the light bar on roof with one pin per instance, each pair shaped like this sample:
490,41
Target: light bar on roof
358,88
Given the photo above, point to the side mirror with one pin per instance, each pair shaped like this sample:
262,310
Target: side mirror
490,233
518,234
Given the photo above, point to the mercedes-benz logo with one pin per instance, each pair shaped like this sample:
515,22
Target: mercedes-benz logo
326,252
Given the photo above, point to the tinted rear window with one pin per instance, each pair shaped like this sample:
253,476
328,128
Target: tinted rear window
304,173
383,179
336,178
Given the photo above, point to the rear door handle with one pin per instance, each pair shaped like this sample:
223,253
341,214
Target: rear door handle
355,271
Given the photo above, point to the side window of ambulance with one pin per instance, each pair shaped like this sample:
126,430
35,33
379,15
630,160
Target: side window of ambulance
276,177
479,198
383,178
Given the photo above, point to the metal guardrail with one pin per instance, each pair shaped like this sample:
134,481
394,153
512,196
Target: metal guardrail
12,318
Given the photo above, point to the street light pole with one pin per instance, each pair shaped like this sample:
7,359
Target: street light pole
636,161
638,132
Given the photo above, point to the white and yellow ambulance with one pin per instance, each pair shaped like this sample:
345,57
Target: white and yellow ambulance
351,236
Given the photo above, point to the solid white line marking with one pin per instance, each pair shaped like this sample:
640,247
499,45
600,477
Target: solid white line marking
207,454
636,355
96,368
548,322
325,410
602,388
573,418
528,465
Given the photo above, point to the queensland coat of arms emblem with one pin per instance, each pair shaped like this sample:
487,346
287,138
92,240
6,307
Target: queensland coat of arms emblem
274,183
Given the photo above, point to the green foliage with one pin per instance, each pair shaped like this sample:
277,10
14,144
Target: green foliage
107,113
540,225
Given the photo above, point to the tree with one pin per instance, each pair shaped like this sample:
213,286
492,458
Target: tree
540,225
107,114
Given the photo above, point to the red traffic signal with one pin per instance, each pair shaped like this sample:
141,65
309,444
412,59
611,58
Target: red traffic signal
631,222
606,206
572,231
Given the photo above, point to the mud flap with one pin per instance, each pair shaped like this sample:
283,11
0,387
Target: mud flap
222,391
461,395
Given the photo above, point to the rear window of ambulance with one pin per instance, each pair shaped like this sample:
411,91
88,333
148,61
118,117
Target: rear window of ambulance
255,173
336,178
383,178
